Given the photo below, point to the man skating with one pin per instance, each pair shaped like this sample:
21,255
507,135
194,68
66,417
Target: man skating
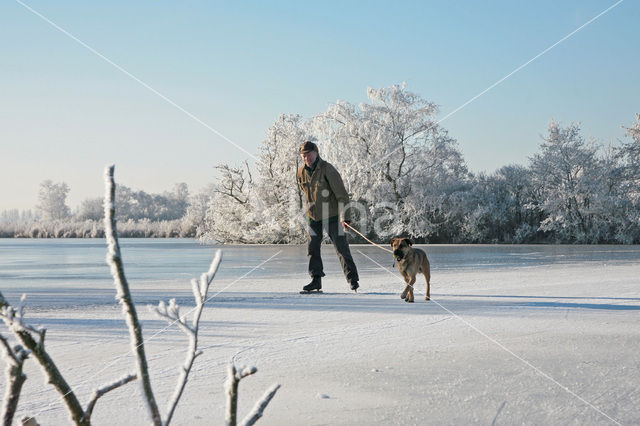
326,201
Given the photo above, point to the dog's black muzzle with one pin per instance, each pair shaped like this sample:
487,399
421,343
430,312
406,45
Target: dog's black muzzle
397,253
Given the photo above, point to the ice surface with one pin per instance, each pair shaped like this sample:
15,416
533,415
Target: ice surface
554,340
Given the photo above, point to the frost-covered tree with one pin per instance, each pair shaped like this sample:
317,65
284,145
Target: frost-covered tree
568,174
630,158
634,131
406,175
193,222
402,170
267,209
623,188
227,217
278,199
90,209
16,216
137,205
573,191
52,200
502,207
395,159
177,201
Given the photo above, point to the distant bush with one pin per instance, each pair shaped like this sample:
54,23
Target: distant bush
144,228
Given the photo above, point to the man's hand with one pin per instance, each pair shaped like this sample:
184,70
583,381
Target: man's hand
346,223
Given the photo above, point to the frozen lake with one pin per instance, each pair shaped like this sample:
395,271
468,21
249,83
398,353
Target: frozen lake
54,265
513,335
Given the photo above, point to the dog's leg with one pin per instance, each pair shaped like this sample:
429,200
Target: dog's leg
406,287
427,277
404,292
410,288
426,270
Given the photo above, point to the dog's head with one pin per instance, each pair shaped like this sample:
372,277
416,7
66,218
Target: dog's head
400,247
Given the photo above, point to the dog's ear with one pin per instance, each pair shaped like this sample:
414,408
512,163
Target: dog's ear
409,241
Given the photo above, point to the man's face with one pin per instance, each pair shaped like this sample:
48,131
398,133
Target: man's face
309,157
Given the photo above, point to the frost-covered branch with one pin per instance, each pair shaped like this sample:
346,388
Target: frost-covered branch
172,314
114,259
261,405
33,339
14,358
231,389
233,182
13,318
102,391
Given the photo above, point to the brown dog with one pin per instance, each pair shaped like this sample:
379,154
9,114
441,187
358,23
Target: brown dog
410,262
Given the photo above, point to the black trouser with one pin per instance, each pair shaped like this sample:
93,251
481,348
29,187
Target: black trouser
339,240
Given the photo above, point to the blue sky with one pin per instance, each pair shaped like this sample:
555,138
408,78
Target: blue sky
65,112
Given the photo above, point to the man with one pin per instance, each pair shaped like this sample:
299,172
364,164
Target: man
326,199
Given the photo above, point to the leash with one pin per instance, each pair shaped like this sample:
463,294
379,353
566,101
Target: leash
368,240
377,245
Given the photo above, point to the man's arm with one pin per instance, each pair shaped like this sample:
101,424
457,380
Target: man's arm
337,186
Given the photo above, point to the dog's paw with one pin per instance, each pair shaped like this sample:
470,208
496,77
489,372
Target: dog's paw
408,300
427,298
403,296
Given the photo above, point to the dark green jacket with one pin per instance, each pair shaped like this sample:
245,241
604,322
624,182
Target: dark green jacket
324,190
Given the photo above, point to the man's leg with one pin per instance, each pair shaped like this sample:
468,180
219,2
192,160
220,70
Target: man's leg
313,250
341,245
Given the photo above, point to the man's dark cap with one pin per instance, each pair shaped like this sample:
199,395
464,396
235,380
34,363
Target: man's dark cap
308,147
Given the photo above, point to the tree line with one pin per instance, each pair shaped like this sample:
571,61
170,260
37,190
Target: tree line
406,176
142,214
